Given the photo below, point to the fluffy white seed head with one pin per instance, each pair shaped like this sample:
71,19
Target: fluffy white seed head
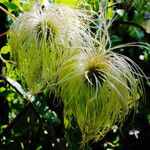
42,40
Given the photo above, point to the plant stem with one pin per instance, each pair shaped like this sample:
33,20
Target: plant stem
13,86
8,13
10,125
4,32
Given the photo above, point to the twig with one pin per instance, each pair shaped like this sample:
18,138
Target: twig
30,102
9,127
25,96
8,13
4,32
5,61
111,144
20,92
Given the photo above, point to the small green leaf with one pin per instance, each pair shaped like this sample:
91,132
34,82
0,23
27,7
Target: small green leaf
26,6
5,49
39,148
22,145
2,1
2,89
72,3
11,5
116,141
2,127
17,2
115,38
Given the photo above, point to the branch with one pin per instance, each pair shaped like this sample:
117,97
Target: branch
40,108
15,85
8,13
2,34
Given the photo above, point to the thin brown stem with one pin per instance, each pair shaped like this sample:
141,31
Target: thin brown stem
4,32
8,13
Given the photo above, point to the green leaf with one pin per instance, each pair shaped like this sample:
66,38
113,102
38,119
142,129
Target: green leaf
116,141
11,5
2,127
2,89
2,1
72,3
39,148
26,6
5,49
110,11
115,38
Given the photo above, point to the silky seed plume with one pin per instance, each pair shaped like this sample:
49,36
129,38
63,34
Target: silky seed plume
97,86
43,39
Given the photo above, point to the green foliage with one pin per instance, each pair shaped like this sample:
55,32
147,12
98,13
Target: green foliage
5,49
72,3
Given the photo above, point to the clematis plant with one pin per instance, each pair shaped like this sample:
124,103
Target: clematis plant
55,44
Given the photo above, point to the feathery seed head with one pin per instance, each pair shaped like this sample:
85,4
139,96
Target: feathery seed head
42,40
106,92
93,65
